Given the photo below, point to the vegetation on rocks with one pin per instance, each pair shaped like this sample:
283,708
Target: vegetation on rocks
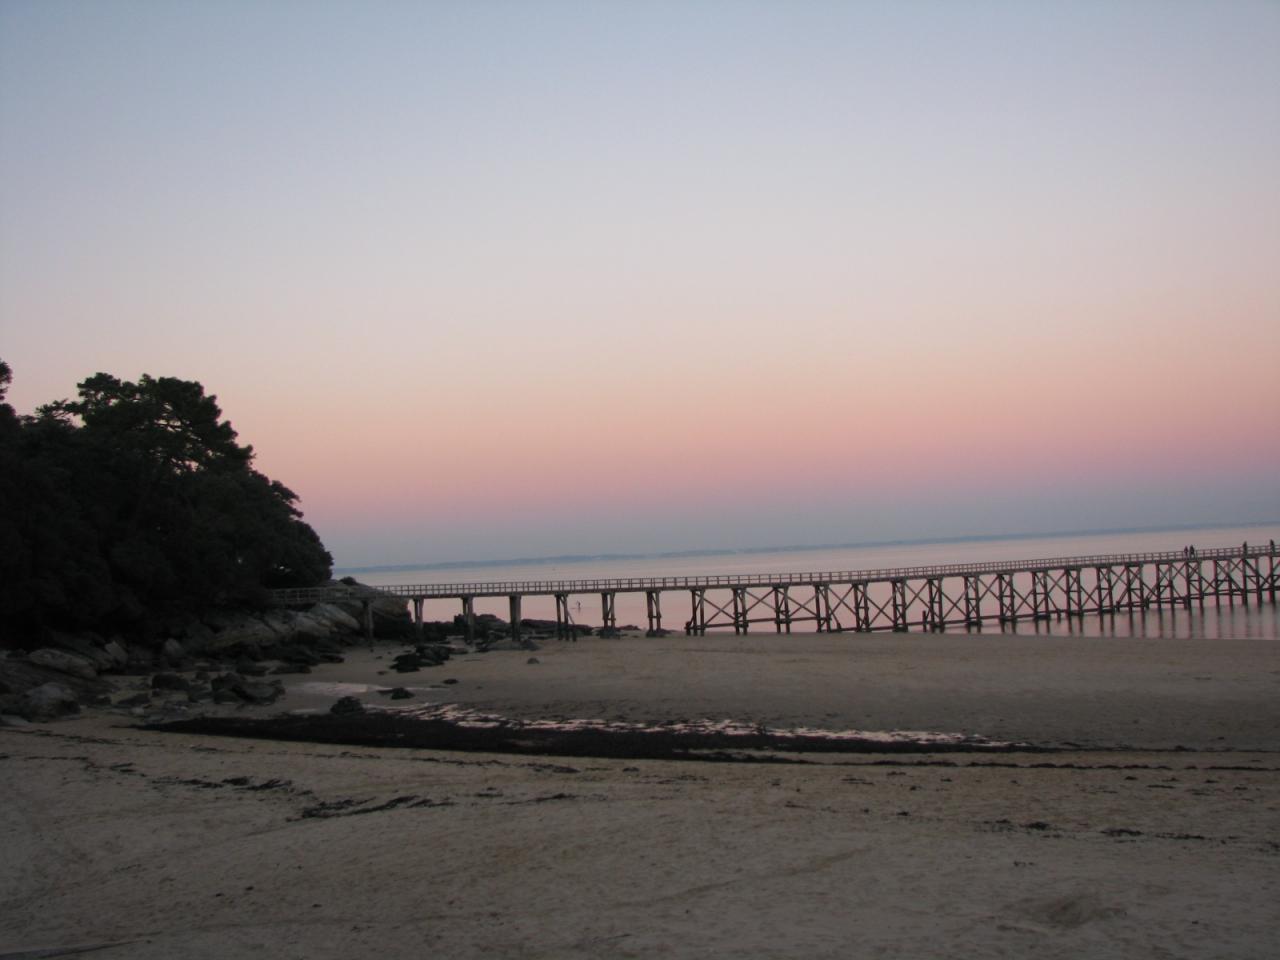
133,506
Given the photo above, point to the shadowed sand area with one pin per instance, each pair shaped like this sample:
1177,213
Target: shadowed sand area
168,844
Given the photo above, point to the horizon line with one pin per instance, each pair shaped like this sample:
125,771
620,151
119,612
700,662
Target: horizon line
795,548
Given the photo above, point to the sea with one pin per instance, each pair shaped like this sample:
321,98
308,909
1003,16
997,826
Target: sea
1212,622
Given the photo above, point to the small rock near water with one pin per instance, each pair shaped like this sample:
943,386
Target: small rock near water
48,702
347,705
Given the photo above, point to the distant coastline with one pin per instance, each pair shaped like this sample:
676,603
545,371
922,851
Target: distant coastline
794,548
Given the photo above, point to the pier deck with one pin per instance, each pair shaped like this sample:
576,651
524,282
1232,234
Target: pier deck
897,598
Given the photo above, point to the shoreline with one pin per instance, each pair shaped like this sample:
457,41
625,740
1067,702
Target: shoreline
1045,691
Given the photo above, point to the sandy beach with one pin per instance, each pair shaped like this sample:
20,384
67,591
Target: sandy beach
1154,830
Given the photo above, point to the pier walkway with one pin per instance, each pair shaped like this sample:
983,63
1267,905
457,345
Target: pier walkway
898,598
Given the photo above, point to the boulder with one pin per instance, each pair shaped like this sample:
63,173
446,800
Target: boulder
297,653
194,633
280,622
253,691
139,660
248,668
246,633
69,663
347,705
433,654
169,681
173,651
87,645
19,676
407,663
307,627
391,619
117,653
337,618
232,687
48,702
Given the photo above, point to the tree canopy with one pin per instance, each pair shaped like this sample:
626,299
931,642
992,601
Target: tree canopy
133,504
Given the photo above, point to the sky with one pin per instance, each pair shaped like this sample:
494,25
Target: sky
511,279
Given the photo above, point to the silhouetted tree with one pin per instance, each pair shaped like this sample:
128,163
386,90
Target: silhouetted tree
135,503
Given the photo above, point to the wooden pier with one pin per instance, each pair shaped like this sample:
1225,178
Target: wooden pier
927,598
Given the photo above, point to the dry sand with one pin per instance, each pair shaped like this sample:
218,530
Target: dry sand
181,846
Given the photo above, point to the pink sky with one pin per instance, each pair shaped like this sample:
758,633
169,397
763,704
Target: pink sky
501,281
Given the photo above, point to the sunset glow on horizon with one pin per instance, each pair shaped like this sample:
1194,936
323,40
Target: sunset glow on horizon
501,280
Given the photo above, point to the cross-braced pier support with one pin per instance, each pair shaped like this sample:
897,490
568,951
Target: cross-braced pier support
697,625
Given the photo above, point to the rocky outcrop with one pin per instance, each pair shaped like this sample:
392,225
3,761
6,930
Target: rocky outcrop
19,675
69,663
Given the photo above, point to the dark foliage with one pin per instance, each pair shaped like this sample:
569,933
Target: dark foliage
134,504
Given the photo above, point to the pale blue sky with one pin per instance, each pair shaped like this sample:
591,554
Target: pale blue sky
960,261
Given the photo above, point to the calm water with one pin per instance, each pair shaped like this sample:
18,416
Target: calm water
1212,622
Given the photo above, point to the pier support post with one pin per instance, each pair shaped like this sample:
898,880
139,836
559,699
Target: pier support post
563,627
1105,597
469,617
417,616
822,607
697,625
740,624
937,613
1075,592
861,608
653,608
899,588
513,602
781,609
607,610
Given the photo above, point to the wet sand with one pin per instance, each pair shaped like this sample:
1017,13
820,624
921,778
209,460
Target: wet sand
1090,692
174,845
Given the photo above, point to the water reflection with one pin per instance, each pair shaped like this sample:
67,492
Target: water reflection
1212,623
